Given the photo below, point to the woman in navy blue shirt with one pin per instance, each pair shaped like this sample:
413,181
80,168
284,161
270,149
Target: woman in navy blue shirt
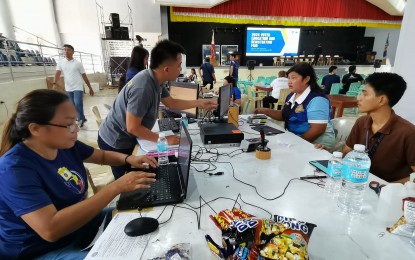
307,109
138,62
44,207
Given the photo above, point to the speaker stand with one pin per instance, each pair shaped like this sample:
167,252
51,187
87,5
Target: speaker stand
250,78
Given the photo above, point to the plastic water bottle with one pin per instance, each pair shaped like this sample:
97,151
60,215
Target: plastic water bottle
184,119
355,173
162,149
335,166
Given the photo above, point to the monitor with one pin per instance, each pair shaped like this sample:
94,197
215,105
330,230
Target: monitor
224,100
186,91
268,41
184,156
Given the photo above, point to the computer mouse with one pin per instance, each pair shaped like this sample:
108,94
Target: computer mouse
141,226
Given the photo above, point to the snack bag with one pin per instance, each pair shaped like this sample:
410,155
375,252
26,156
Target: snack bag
224,218
405,225
291,242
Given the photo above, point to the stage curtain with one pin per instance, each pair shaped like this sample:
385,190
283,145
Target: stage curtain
289,12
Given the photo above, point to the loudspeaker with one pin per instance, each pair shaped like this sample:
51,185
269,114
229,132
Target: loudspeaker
115,20
289,63
108,32
124,33
377,64
116,33
251,64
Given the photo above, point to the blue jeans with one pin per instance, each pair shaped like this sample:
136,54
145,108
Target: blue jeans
85,236
77,99
117,171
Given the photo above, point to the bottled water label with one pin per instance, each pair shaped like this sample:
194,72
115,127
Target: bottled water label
162,147
336,171
355,175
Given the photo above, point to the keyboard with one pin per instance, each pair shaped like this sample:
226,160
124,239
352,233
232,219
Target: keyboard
161,189
169,123
268,130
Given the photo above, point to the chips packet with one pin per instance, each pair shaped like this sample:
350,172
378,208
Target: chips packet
254,238
405,225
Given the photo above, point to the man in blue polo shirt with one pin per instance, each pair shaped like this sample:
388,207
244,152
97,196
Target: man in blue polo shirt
329,79
207,73
234,69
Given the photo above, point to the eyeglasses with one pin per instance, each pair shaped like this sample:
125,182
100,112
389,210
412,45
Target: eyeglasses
71,128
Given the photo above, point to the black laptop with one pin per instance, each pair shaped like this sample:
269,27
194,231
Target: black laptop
171,181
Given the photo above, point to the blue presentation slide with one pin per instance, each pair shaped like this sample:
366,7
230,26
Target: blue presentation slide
261,41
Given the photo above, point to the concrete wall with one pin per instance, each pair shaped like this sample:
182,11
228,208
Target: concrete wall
78,23
404,64
12,92
381,35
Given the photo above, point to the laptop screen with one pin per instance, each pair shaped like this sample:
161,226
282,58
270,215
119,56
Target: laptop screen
186,91
185,151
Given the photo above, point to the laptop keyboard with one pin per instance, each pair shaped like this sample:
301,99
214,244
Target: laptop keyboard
169,123
160,190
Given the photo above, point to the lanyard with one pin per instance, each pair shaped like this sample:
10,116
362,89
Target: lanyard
371,152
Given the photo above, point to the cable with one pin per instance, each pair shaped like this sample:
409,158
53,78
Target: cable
171,215
256,190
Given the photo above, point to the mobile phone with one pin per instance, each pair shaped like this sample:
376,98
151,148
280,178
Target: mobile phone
322,165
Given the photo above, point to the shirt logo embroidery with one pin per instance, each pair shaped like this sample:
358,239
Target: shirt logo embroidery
73,180
299,108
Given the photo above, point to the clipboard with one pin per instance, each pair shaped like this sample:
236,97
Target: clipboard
322,165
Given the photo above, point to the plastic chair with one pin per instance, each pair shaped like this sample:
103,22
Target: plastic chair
342,127
254,96
281,99
91,181
355,86
97,115
335,88
107,107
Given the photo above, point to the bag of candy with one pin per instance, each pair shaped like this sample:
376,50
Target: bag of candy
405,225
252,239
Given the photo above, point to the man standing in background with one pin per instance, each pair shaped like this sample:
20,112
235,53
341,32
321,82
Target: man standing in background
234,69
73,72
207,73
317,52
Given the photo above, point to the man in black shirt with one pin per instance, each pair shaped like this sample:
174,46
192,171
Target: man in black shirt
350,78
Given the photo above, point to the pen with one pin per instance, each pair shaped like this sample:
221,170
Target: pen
313,177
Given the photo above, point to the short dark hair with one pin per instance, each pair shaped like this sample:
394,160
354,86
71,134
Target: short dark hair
163,51
352,68
231,80
233,55
68,46
305,69
207,59
282,74
138,55
332,68
386,83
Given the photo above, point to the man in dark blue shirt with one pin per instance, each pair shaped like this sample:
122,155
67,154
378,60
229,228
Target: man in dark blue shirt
329,79
208,73
233,70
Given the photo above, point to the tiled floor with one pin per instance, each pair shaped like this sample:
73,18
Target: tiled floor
101,174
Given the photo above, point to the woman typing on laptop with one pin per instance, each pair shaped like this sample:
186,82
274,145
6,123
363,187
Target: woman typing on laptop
44,207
